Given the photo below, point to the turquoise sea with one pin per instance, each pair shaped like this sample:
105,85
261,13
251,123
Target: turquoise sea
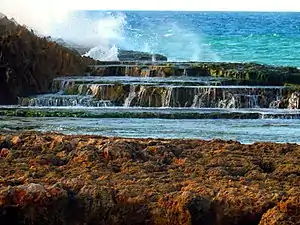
263,37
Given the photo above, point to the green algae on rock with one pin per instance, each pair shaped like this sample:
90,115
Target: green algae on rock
252,73
142,114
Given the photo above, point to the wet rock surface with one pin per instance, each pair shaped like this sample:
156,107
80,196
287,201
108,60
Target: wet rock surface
58,179
244,73
128,55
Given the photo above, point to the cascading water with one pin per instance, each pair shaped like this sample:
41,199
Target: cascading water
202,97
93,89
150,94
167,96
132,94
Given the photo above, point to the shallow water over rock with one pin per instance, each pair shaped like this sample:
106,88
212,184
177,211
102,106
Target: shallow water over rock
201,92
191,104
243,130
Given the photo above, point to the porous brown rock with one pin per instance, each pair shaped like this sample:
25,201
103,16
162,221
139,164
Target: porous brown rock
286,212
67,179
4,152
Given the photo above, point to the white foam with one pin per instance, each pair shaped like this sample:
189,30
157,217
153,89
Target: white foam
168,35
104,53
102,30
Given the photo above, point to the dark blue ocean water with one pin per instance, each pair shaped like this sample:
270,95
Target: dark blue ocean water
271,38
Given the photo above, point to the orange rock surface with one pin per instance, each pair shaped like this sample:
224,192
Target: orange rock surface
59,179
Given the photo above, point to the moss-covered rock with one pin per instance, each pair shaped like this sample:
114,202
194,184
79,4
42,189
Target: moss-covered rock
248,73
128,55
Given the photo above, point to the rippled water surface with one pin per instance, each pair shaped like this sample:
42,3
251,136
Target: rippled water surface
245,131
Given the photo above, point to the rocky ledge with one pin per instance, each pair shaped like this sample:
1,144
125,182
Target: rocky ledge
242,73
127,55
58,179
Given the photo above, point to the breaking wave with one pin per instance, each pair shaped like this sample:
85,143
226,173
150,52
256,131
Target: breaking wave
107,32
103,33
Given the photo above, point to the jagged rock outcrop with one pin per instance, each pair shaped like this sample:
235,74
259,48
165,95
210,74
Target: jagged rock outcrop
28,63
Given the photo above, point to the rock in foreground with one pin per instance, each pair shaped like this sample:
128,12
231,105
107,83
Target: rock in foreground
57,179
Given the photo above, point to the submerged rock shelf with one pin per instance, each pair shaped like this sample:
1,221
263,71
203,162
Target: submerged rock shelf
114,112
98,180
194,85
163,92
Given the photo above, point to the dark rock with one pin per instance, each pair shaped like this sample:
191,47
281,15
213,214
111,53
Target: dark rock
28,63
128,55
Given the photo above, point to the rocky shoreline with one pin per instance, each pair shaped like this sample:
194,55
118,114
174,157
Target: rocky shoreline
56,179
48,178
29,63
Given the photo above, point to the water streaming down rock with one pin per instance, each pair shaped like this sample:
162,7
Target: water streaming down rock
101,93
131,96
294,101
167,97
